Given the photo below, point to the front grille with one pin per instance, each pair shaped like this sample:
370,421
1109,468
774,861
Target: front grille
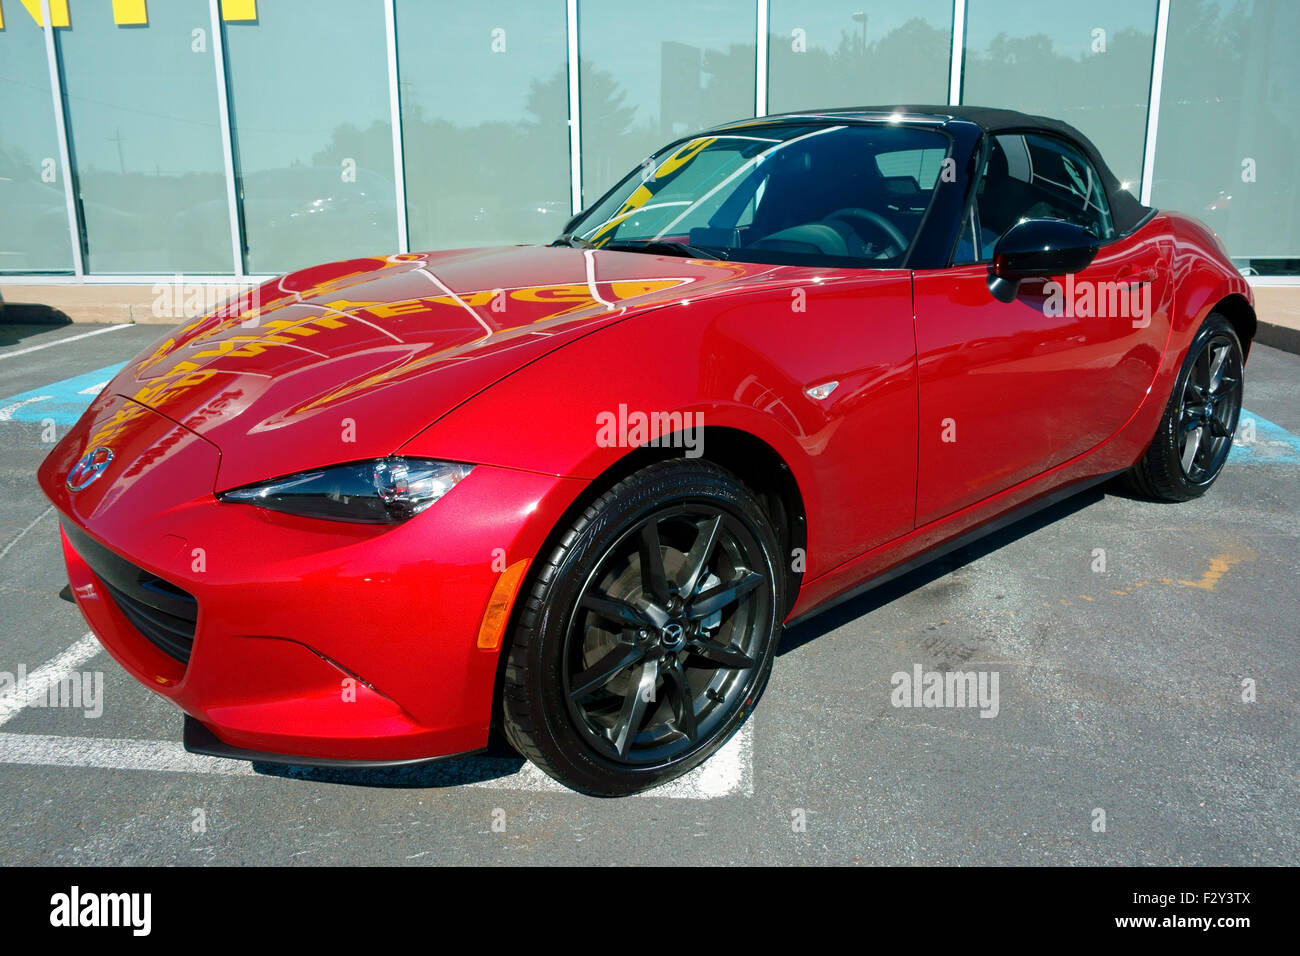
164,613
171,634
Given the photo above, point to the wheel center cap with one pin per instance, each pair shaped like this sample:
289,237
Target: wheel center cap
672,635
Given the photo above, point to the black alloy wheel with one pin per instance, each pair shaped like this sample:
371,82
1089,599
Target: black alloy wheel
649,634
1209,407
665,631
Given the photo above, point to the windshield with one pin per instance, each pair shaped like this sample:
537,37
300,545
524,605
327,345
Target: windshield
844,195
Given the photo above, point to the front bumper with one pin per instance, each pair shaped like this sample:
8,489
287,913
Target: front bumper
315,641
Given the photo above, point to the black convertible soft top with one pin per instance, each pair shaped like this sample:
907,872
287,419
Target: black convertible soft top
1126,211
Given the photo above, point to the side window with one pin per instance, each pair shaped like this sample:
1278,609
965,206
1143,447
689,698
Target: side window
1029,176
970,248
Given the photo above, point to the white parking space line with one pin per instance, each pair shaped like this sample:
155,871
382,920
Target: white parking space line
70,338
7,413
726,773
112,754
19,536
37,685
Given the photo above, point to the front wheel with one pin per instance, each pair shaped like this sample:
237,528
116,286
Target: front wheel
1195,435
648,634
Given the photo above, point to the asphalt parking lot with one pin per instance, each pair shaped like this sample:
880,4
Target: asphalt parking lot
1121,691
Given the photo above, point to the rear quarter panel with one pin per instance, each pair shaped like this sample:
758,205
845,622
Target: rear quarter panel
1203,276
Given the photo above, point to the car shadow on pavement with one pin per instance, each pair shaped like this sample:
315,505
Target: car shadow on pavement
795,637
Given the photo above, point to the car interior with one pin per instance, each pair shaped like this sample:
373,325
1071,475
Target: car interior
1028,176
829,197
821,194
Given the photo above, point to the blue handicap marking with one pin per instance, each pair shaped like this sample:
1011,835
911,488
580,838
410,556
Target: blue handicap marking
62,402
1270,445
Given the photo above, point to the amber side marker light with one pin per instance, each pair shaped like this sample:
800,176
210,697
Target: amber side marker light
498,608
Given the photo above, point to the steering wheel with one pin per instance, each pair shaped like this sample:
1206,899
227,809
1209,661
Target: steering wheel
897,242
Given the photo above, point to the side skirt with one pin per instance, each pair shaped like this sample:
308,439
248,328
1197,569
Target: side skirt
968,537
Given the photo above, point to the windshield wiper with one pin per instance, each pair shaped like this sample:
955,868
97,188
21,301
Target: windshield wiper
574,242
668,246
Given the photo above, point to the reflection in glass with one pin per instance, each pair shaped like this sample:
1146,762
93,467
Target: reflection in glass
33,209
1087,64
857,53
1228,149
148,153
653,72
485,110
780,192
314,146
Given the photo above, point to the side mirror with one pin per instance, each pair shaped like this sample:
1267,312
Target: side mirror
1035,248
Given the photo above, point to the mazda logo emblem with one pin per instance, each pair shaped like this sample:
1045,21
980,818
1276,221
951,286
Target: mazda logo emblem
90,466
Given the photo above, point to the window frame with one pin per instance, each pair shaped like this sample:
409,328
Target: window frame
982,155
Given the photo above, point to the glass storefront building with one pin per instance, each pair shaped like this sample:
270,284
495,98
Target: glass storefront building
236,138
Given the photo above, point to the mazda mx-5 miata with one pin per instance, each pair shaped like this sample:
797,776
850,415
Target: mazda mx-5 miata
375,509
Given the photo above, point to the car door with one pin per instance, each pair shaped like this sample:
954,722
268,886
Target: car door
1009,390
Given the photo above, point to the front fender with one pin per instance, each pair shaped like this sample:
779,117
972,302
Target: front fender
741,364
558,414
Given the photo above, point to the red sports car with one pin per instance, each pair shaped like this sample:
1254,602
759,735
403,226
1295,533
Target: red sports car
375,508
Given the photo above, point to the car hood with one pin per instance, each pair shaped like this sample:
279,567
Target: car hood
351,359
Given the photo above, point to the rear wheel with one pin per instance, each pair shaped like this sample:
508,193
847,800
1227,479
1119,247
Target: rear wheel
649,633
1195,435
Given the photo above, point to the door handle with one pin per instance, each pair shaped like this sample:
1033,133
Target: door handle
1139,275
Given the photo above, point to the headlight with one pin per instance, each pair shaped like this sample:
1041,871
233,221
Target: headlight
378,492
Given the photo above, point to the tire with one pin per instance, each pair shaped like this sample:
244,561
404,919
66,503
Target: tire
1194,438
623,672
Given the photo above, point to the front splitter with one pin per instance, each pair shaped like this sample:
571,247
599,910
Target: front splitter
199,740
